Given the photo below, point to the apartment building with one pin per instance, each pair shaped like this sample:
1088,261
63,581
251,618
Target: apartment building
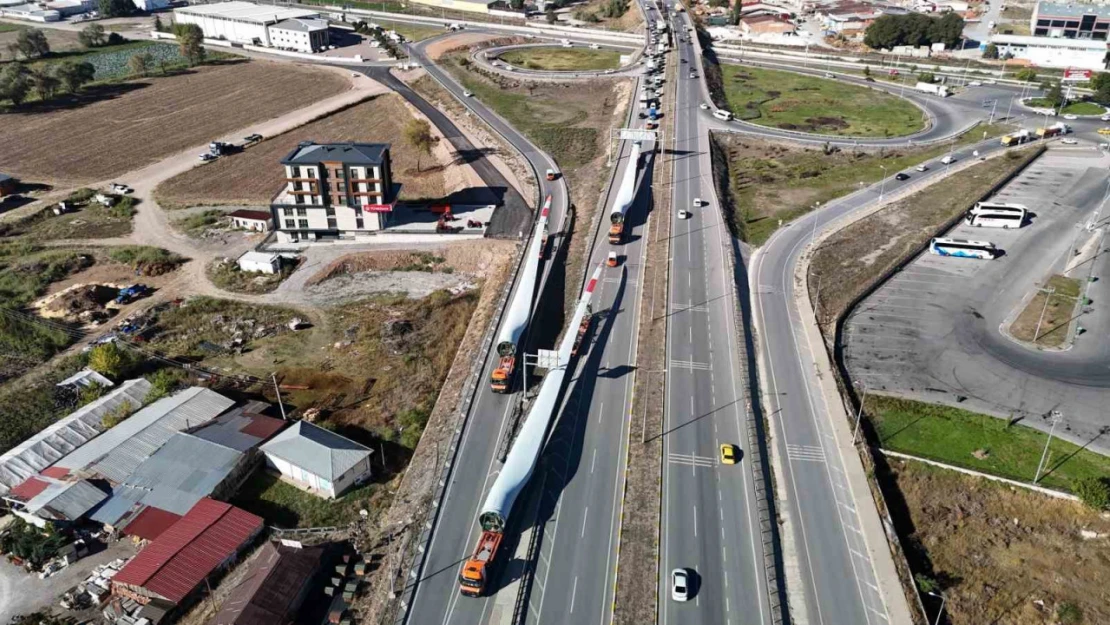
333,191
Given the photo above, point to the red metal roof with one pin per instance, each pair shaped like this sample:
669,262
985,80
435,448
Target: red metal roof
57,473
249,214
261,426
150,523
28,488
185,553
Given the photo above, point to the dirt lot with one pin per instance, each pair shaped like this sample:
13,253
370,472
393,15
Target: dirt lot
255,175
632,20
115,135
849,261
435,51
1001,555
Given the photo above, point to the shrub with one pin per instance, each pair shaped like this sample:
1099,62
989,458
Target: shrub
1094,491
149,261
117,416
111,360
164,382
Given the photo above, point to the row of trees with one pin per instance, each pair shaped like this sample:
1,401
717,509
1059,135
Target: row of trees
914,29
17,81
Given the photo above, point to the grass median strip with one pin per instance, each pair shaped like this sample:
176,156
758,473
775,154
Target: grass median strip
563,59
1045,319
809,104
980,442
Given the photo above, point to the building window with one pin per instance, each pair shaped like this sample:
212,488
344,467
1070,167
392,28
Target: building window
288,212
299,199
303,223
332,225
339,172
302,212
295,172
330,211
359,225
289,223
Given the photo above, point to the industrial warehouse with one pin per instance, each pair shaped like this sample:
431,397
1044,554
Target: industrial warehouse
299,30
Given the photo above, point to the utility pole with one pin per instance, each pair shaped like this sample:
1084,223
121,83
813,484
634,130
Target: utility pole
277,391
882,185
993,106
859,413
1056,417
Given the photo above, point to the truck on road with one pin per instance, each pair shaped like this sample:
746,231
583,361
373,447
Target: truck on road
933,88
1016,138
625,194
1055,130
478,570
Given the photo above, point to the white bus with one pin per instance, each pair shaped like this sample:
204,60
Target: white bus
963,249
996,219
996,207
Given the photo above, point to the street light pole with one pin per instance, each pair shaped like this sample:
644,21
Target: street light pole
1047,297
993,106
943,599
1056,417
859,413
882,185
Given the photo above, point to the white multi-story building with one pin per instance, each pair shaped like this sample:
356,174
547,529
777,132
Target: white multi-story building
240,22
1053,51
300,35
333,191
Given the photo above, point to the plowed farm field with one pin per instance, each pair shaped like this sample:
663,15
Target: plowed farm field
153,118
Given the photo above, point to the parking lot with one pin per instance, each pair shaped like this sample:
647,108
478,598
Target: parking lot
933,331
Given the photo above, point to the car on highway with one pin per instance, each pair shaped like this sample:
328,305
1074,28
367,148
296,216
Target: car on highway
693,75
923,167
683,213
948,160
594,46
829,75
1068,141
1070,116
975,83
703,106
1104,131
680,585
727,116
901,176
698,203
611,260
1105,118
467,94
728,453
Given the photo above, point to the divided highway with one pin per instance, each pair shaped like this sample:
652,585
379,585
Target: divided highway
711,522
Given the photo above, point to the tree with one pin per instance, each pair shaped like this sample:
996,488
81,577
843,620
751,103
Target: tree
191,39
718,3
914,29
15,83
92,36
926,77
44,82
1093,491
1100,85
1054,94
418,134
158,26
116,8
991,52
31,43
734,17
140,64
549,15
74,75
110,360
164,382
1026,74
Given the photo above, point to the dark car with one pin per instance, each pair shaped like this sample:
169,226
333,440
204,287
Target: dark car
902,176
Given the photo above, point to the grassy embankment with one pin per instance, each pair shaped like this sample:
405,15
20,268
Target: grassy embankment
563,59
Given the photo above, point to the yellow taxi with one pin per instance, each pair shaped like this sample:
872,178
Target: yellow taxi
728,454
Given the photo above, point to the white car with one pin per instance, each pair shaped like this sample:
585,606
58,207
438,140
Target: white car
207,156
948,160
1068,141
975,83
1069,116
594,46
923,167
680,585
683,213
698,203
1105,118
120,188
693,75
467,94
703,106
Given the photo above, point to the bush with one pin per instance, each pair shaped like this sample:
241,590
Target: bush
111,360
1094,491
117,416
149,261
1069,614
164,382
413,421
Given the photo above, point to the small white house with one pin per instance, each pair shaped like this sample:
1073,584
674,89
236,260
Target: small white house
260,262
244,219
316,460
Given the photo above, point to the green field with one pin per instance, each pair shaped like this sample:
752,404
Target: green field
563,59
818,105
1083,108
979,442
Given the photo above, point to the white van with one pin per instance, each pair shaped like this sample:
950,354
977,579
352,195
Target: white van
723,115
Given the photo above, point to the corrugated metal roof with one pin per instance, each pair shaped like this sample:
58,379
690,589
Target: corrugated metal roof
117,452
86,377
27,489
268,594
316,450
239,428
173,565
177,476
67,501
150,523
66,435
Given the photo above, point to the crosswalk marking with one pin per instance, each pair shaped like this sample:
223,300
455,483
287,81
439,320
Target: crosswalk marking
689,308
692,460
808,453
686,364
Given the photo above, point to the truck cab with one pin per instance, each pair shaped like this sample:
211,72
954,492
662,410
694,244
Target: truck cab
500,379
477,570
616,233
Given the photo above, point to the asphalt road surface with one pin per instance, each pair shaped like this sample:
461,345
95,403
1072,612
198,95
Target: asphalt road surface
934,330
711,523
838,578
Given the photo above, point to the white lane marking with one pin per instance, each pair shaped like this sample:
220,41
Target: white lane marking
695,521
594,461
585,515
573,593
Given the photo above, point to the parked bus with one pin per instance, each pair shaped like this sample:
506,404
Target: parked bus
996,207
963,249
996,219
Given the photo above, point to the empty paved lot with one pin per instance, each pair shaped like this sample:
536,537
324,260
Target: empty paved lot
933,330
